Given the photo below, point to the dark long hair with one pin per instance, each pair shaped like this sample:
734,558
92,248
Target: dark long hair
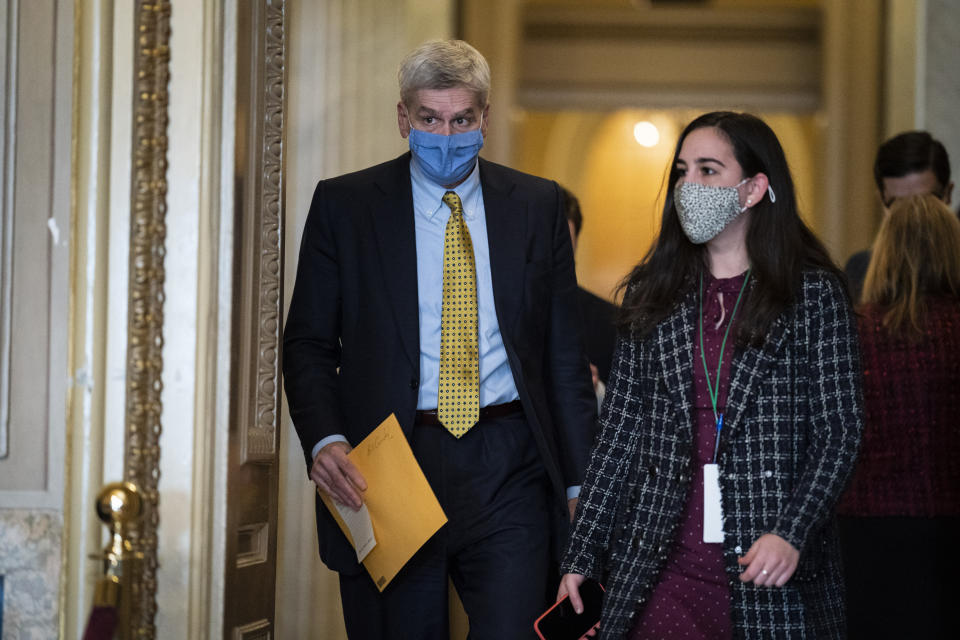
779,245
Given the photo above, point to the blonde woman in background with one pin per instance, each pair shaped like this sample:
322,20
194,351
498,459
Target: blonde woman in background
900,517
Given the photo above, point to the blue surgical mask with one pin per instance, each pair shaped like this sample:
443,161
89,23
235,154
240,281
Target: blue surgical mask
446,159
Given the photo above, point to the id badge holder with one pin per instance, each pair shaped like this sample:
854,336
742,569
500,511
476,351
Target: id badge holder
712,506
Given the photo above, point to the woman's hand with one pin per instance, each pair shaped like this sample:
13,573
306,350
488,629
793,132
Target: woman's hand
570,586
770,561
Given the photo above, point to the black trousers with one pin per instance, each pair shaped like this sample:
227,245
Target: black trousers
899,573
495,546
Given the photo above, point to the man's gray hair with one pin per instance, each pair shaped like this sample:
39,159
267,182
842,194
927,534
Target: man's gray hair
444,64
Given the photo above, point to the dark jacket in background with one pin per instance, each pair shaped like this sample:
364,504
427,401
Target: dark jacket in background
856,270
599,331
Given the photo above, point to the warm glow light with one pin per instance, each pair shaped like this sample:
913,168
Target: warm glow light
646,134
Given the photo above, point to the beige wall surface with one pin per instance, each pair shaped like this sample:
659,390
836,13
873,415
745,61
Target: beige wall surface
35,76
940,80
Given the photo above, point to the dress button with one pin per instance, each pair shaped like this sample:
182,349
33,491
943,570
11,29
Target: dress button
654,470
738,549
681,478
768,474
414,383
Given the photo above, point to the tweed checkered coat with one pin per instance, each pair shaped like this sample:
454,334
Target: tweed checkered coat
791,433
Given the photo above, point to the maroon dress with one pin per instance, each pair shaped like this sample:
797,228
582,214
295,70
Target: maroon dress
692,599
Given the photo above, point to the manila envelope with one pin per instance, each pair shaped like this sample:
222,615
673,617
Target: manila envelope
403,508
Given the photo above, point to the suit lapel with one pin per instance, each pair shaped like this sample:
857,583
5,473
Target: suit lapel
393,224
506,235
675,341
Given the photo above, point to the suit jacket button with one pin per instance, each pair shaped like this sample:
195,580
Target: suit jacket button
654,471
414,383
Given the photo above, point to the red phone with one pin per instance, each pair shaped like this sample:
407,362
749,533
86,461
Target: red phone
561,622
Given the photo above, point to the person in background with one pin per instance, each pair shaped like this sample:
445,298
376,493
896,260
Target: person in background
599,327
440,287
732,417
911,163
900,516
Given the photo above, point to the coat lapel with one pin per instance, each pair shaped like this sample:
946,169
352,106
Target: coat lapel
675,341
506,235
393,224
750,366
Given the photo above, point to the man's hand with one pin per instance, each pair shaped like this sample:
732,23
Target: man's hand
594,376
770,561
335,475
572,506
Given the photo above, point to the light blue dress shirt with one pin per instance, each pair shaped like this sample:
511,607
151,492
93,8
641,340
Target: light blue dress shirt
431,214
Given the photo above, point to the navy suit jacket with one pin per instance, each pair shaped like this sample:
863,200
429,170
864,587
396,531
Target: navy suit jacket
351,347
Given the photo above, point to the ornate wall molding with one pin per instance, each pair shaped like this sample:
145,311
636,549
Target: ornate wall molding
253,461
259,435
564,53
145,319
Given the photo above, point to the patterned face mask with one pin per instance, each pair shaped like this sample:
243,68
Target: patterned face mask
705,211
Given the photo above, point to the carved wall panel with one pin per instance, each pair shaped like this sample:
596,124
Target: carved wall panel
253,464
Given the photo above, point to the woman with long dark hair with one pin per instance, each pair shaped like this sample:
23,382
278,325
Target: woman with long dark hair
904,497
732,417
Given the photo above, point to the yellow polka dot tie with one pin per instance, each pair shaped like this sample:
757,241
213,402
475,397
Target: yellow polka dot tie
458,405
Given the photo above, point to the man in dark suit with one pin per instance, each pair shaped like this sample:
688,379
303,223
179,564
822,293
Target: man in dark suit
908,164
440,287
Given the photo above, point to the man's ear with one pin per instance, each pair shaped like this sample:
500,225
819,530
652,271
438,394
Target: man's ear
484,120
756,189
946,194
403,120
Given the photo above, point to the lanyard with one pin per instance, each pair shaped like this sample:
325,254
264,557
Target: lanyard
714,390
